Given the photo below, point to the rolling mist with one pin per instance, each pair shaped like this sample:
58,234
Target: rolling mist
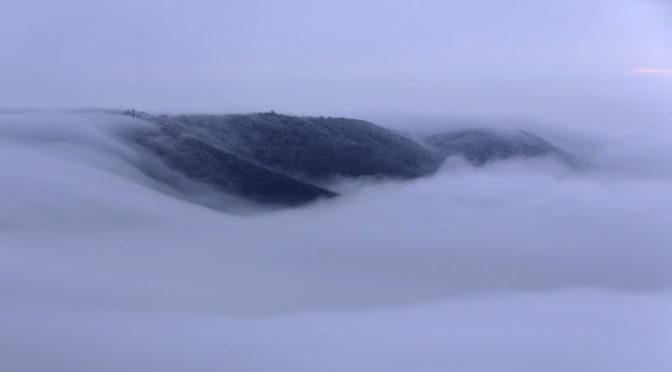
107,268
480,186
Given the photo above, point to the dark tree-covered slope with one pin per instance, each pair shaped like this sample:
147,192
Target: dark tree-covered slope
315,149
202,162
281,159
483,146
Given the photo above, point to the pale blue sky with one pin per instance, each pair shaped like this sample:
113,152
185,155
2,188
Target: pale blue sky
328,56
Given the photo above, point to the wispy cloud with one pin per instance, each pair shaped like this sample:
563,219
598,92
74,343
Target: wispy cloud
656,71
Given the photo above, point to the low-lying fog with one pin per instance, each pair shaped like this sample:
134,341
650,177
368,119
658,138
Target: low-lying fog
521,265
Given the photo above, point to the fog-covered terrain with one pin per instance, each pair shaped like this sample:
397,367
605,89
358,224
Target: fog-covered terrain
336,185
115,259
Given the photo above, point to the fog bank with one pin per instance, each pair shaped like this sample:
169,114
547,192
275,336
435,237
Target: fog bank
518,265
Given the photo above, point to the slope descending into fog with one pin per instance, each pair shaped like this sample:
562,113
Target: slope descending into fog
205,162
310,148
281,159
483,146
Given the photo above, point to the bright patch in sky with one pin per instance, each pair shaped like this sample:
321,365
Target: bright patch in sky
653,71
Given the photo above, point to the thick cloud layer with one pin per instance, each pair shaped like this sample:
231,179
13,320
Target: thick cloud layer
519,265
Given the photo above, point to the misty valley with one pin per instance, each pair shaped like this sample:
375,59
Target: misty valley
336,186
250,234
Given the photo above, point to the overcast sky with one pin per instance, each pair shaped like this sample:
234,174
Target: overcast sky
307,56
